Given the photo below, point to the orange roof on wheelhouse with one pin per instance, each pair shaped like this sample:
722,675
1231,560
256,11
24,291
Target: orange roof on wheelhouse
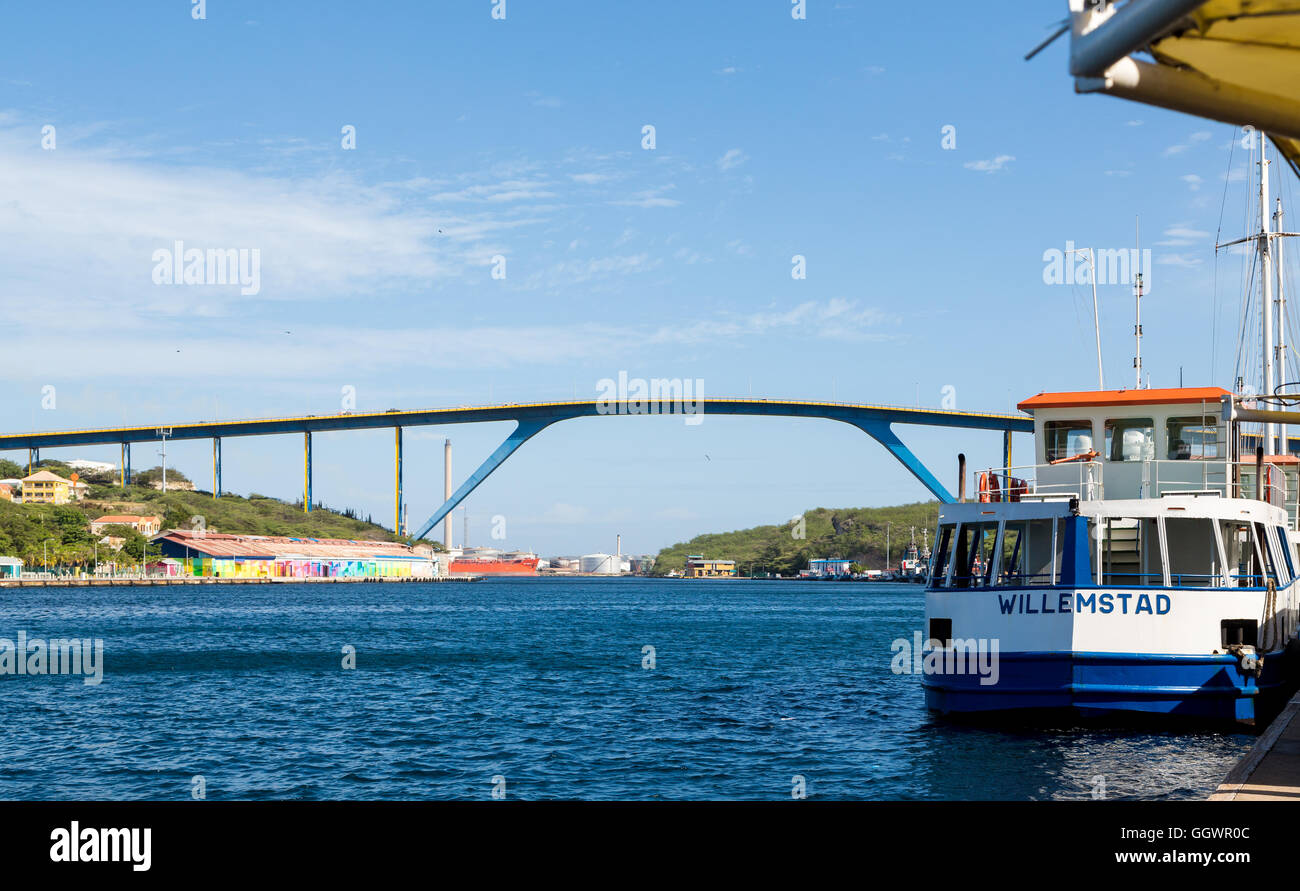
1083,398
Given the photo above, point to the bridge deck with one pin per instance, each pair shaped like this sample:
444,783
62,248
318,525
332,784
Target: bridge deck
510,412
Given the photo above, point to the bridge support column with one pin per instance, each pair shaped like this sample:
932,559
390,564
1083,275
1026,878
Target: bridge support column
397,480
521,434
306,472
883,433
216,467
1006,449
125,469
33,458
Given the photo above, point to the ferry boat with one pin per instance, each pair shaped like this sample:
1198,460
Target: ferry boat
1112,580
1145,562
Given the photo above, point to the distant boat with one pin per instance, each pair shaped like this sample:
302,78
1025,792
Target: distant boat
492,562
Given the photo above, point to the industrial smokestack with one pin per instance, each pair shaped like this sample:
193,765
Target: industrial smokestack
961,477
446,493
618,545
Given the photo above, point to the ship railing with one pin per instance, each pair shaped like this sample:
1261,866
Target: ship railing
1090,480
1276,490
1040,482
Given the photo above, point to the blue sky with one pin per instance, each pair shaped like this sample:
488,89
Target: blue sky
523,138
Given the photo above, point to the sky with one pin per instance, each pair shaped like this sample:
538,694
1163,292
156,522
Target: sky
918,164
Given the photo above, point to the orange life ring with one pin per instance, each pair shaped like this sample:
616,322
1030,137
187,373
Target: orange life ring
988,487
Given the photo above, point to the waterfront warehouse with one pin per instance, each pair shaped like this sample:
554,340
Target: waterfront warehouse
218,555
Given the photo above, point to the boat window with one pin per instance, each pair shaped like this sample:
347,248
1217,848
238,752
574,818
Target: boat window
939,560
1130,552
1243,559
1266,552
1066,439
974,555
1193,552
1284,542
1192,438
1027,553
1130,439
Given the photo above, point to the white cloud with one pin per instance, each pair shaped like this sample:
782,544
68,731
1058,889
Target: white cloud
733,158
649,198
1193,181
990,166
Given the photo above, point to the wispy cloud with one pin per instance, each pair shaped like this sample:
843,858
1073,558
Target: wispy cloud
649,198
733,158
992,165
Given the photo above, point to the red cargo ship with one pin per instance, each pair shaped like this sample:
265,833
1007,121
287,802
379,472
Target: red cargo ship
506,564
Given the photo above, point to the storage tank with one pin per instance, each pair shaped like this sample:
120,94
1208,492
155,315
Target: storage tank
599,564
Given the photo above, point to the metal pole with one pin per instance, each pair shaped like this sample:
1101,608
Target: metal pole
1096,326
446,492
216,467
1137,311
397,480
306,471
1281,320
1101,35
1266,279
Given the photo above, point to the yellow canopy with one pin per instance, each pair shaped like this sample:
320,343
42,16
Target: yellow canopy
1249,50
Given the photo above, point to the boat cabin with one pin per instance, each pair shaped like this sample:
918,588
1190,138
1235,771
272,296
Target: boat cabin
1130,443
1132,488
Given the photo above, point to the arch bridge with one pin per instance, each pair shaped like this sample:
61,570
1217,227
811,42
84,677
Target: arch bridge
877,421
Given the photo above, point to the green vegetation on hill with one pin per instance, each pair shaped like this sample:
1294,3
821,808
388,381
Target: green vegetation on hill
855,533
64,530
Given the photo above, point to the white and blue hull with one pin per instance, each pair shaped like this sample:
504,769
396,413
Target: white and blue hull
1090,652
1099,650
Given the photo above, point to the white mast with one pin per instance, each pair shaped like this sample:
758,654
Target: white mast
1281,319
1266,279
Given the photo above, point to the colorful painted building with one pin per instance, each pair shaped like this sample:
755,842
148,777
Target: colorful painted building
827,569
699,568
43,487
219,555
143,525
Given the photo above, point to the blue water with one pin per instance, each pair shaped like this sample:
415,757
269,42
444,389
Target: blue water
538,681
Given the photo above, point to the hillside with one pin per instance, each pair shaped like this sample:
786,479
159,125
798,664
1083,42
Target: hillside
856,533
64,530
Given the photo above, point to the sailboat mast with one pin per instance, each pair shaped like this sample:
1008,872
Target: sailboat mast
1281,319
1267,309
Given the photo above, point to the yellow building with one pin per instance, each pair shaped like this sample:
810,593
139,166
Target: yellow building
699,568
44,487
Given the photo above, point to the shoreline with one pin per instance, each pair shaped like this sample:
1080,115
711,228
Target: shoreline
122,583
